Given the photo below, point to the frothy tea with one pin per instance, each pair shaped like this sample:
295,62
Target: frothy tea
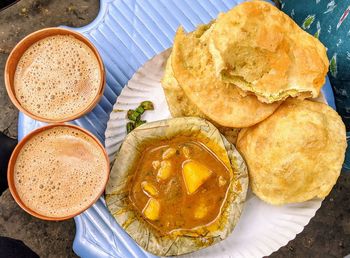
57,77
60,171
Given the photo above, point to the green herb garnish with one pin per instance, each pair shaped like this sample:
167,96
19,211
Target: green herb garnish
134,115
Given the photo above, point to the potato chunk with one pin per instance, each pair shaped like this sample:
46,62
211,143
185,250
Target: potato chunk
222,181
186,152
155,164
151,210
200,211
194,175
149,189
169,153
164,171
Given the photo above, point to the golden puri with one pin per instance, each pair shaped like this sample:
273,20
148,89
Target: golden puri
221,102
296,154
262,51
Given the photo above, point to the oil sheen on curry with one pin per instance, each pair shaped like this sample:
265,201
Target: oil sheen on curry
179,185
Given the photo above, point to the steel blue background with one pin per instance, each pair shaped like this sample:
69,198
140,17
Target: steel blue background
127,34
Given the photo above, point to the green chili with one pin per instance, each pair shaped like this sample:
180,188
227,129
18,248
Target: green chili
147,105
133,115
140,122
130,126
140,110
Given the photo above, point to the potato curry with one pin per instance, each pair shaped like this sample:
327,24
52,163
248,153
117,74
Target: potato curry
179,185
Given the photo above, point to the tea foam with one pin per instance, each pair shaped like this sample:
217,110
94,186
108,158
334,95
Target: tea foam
60,171
57,77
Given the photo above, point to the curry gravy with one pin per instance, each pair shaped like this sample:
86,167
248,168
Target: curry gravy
179,185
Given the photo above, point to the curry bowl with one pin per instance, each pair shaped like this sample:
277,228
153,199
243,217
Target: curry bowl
177,186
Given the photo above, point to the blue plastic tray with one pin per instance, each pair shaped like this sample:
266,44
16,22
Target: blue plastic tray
127,34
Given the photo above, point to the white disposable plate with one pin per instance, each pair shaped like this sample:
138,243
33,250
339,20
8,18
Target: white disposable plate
262,228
